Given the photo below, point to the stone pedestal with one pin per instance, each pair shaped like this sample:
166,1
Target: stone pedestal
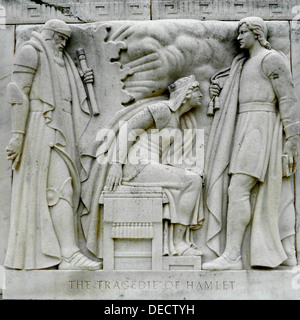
153,285
182,263
132,229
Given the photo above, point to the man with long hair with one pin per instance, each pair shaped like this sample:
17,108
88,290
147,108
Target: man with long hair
258,106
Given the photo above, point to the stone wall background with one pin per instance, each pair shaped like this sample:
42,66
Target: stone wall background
14,13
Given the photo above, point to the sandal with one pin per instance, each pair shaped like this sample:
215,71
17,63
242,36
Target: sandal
78,261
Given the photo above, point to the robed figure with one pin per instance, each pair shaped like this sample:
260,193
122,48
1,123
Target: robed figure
253,144
49,115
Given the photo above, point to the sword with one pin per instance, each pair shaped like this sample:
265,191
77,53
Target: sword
84,67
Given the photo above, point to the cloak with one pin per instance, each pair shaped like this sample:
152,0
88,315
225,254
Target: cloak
265,244
32,240
95,172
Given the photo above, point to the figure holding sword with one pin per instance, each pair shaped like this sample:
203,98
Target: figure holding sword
254,143
88,74
49,115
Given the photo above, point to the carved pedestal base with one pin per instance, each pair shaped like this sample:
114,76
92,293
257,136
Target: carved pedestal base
152,285
182,263
132,228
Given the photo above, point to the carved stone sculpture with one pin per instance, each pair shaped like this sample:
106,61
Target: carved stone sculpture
142,62
127,155
49,114
258,95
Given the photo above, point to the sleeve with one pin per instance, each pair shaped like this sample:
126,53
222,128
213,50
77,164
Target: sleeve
24,68
276,68
26,60
161,114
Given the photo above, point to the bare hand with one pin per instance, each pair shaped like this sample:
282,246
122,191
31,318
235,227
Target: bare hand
149,63
114,177
14,149
290,156
88,76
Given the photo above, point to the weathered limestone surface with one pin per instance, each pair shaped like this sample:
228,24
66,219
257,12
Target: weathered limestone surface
150,285
223,10
24,12
7,37
295,46
135,54
98,10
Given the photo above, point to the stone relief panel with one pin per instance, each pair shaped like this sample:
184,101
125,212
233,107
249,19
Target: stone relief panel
263,65
73,11
36,11
7,35
114,84
222,10
295,38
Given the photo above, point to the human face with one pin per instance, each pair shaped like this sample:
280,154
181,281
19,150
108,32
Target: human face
196,98
246,37
60,41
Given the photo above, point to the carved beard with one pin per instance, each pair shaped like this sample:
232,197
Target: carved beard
57,53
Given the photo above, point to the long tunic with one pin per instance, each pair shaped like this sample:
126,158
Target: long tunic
153,155
266,246
33,243
255,121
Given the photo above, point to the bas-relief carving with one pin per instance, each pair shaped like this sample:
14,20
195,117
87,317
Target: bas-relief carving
134,64
7,35
259,157
148,153
295,37
28,12
49,113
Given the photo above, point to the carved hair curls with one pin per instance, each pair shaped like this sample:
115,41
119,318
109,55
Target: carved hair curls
259,29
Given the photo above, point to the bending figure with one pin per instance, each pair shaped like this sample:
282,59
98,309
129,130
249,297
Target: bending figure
150,153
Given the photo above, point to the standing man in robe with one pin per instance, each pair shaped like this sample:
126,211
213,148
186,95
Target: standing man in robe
257,105
49,114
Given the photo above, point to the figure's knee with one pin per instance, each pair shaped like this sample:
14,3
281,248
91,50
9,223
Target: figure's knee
194,181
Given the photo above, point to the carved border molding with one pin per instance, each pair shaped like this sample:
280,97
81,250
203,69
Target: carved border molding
21,12
39,11
223,10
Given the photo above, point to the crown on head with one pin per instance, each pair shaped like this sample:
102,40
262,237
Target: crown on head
181,83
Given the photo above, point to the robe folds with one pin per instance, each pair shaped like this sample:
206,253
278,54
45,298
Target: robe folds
265,244
96,174
33,243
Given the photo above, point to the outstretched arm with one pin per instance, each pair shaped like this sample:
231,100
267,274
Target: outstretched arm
126,138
